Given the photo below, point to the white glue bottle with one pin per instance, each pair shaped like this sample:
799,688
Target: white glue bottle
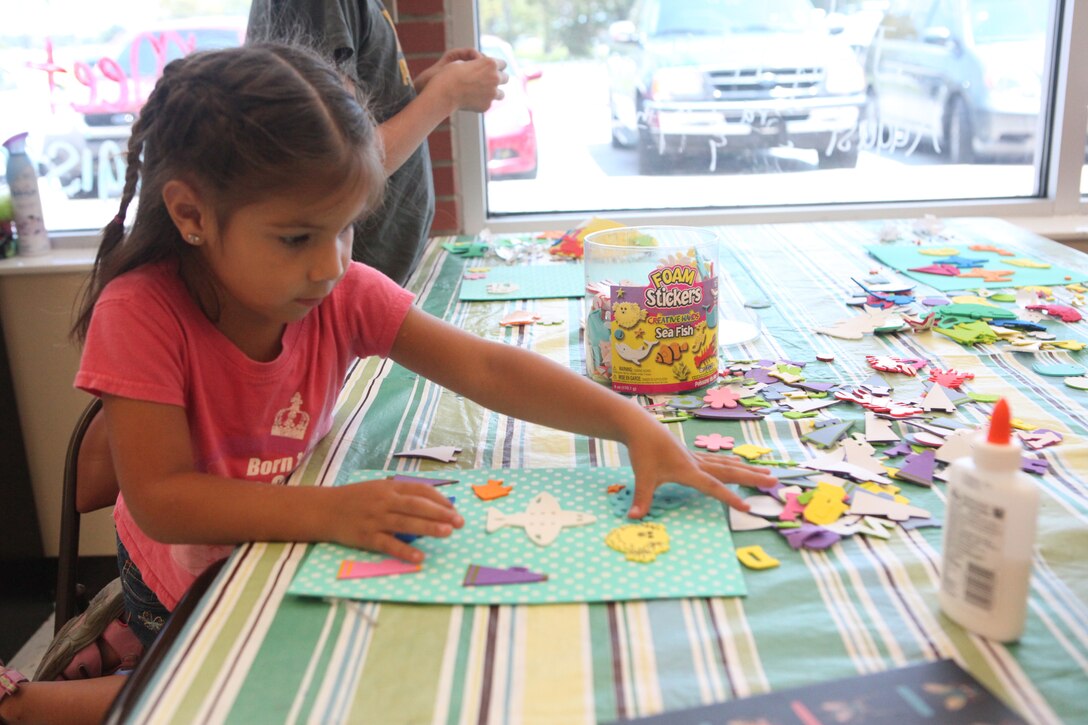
989,535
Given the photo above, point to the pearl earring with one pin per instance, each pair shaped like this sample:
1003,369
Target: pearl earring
193,238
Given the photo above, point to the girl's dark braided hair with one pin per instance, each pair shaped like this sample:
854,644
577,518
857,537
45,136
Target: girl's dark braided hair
239,125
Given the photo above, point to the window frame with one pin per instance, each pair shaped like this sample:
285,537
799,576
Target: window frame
1060,211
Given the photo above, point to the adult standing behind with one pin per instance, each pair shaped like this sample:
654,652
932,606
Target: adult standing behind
360,36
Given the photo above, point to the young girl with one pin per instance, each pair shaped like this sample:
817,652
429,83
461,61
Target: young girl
233,296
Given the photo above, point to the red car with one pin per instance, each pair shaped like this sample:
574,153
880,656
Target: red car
508,123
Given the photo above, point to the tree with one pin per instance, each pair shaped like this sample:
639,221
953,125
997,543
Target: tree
568,25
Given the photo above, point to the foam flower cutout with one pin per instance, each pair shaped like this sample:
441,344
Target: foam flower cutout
714,442
718,398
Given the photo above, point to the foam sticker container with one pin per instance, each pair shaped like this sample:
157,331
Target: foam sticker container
652,308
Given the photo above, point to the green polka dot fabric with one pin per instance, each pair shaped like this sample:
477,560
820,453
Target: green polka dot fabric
700,562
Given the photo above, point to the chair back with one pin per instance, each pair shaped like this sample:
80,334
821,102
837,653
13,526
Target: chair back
90,484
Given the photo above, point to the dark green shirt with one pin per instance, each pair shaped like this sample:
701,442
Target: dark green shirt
359,35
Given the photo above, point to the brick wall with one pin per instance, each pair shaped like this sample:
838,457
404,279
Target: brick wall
421,26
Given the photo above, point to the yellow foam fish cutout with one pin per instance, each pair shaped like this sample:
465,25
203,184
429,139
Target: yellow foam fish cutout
642,542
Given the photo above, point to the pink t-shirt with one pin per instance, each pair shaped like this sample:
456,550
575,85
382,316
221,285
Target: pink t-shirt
149,340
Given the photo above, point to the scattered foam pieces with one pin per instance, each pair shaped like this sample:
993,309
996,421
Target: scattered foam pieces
1040,438
873,526
879,430
826,505
810,536
642,542
937,399
754,557
764,505
956,445
865,503
828,435
855,328
888,364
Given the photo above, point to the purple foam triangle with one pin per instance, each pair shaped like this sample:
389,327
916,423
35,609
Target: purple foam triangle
478,576
918,468
899,449
423,479
737,413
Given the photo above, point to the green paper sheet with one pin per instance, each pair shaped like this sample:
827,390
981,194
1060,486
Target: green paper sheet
903,256
701,560
539,281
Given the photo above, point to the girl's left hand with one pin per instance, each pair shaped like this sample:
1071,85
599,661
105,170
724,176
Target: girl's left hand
658,457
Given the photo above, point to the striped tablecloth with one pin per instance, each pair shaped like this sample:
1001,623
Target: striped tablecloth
251,653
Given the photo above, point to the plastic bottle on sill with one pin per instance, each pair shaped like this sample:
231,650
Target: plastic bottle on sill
31,238
989,535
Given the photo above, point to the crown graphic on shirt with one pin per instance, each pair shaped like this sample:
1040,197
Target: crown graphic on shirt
292,421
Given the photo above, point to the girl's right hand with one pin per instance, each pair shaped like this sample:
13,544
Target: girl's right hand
368,515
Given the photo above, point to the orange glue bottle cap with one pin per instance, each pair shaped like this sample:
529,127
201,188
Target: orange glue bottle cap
998,451
1000,426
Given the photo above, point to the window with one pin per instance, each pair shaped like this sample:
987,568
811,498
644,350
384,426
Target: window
728,108
715,109
75,74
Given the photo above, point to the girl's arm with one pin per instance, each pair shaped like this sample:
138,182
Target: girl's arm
173,503
454,83
525,385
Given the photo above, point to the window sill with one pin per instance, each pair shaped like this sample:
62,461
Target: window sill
56,262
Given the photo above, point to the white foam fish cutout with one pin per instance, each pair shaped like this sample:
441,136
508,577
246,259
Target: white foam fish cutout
542,519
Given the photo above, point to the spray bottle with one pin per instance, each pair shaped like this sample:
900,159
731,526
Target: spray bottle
31,237
989,535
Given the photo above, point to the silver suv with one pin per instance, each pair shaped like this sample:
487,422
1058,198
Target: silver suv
709,77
